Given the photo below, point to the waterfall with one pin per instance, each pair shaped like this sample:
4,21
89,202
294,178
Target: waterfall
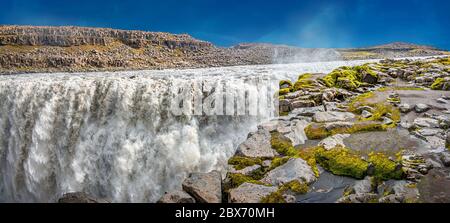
113,134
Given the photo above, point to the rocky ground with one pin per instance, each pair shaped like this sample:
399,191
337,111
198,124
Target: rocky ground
372,133
26,49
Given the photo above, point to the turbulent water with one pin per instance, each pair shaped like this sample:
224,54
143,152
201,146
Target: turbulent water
112,135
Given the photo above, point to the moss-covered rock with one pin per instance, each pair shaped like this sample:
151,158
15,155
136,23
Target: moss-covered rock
308,154
294,186
350,78
342,161
321,130
384,168
236,179
441,84
240,162
304,81
282,144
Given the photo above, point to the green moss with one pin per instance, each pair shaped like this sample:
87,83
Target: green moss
319,131
304,81
278,161
308,154
342,161
438,84
384,168
295,186
384,89
240,162
359,127
348,78
236,179
360,100
316,131
274,198
282,144
277,197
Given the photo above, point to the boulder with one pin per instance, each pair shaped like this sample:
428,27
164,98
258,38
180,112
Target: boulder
333,141
426,123
177,196
249,193
331,116
419,108
366,114
368,78
204,187
441,100
297,134
293,169
302,103
363,186
405,108
257,145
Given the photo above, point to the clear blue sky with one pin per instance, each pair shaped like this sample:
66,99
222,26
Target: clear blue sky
308,23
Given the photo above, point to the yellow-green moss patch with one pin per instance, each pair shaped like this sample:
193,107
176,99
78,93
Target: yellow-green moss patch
308,154
236,179
319,130
240,162
282,144
277,197
304,81
342,161
384,168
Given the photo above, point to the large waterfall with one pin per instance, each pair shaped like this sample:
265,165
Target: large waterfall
113,134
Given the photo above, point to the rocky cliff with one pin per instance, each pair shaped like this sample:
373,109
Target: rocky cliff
51,49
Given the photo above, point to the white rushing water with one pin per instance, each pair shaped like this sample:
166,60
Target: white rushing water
111,134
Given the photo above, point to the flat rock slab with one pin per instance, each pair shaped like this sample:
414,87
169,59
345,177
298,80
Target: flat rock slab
257,146
426,123
333,116
204,187
250,193
177,196
293,169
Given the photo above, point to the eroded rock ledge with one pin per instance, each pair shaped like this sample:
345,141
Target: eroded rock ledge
77,49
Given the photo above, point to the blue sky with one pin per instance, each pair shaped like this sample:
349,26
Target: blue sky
308,23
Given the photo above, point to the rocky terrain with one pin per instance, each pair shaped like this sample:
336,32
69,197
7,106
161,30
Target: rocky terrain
76,49
372,133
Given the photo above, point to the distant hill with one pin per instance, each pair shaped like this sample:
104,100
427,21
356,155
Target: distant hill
68,48
391,50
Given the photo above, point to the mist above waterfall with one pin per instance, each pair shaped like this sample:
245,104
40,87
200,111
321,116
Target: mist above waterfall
302,55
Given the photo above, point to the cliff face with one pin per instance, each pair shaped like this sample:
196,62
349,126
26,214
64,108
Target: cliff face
51,49
27,48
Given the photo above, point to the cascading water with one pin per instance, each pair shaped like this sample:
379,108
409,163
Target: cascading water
113,135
